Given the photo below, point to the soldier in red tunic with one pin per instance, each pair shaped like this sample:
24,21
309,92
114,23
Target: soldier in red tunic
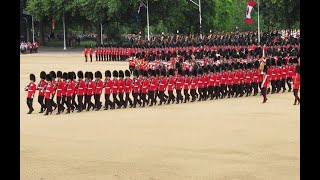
59,87
193,85
127,89
217,82
48,91
265,84
290,73
230,81
70,91
31,88
212,81
296,85
171,86
64,91
255,79
284,73
80,90
206,82
273,72
115,89
108,85
85,53
179,84
53,82
136,86
186,86
224,79
278,74
90,91
90,53
152,88
144,88
162,86
248,79
121,88
98,90
200,84
40,86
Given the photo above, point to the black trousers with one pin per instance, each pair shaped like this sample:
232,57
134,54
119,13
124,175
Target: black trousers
278,85
241,89
264,93
186,95
273,86
80,102
107,101
200,93
127,99
230,90
59,98
193,94
161,97
115,101
283,84
171,97
144,99
205,93
86,58
289,79
255,88
121,99
64,101
29,103
89,104
41,102
96,57
97,102
135,99
217,91
179,95
69,103
248,88
91,58
74,104
296,96
48,105
223,89
151,98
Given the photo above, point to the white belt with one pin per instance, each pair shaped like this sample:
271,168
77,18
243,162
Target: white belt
30,90
107,87
59,89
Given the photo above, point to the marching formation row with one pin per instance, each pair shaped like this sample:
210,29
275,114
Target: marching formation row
147,87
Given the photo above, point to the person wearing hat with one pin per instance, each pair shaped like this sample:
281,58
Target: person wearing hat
108,85
241,77
284,74
127,89
265,84
162,87
98,90
256,77
136,86
90,53
152,88
58,87
212,81
171,85
48,94
90,86
291,71
96,52
273,73
248,80
31,88
85,53
236,80
200,84
296,85
74,105
70,91
224,79
64,91
278,74
40,87
121,87
206,81
53,82
144,88
179,85
217,86
186,86
193,85
230,80
81,87
115,90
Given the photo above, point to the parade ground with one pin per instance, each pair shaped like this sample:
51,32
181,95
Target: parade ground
225,139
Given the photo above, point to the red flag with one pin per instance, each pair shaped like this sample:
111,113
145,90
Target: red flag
251,4
53,23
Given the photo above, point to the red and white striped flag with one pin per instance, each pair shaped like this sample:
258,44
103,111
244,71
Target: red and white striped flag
251,4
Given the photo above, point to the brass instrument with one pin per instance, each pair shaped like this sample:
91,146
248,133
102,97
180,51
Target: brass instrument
262,67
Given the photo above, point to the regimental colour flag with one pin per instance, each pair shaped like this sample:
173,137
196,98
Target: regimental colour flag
251,4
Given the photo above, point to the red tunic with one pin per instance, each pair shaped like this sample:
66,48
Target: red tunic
213,78
265,81
127,85
194,83
248,78
154,84
64,88
296,81
99,87
60,88
163,84
241,77
90,51
171,84
200,81
48,91
31,90
224,78
91,88
284,72
236,78
115,87
291,71
121,86
256,75
145,86
273,74
81,88
85,51
187,83
70,89
42,84
179,83
279,77
230,78
218,79
136,86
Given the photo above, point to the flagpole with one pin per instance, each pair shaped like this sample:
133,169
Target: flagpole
32,29
258,23
64,35
101,38
148,21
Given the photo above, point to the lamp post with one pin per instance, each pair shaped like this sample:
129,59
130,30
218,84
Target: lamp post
200,18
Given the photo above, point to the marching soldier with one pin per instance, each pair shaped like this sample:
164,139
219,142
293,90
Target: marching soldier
230,81
273,72
200,84
241,77
53,75
80,90
224,79
121,86
136,86
108,84
265,84
90,91
236,80
64,91
31,88
179,85
90,53
248,80
193,85
59,85
145,87
152,88
40,86
206,81
256,76
98,90
48,89
217,82
186,86
115,83
296,85
284,72
212,83
85,53
290,74
128,89
74,105
171,86
70,91
278,74
162,86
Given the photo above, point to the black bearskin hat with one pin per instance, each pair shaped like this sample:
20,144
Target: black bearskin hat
163,72
32,77
171,72
268,62
217,69
141,72
86,74
145,73
153,73
265,69
194,72
107,73
200,72
74,75
256,64
121,74
90,75
205,70
43,75
136,72
295,61
127,73
284,61
230,68
279,62
80,74
59,74
273,62
211,69
290,60
298,69
241,66
96,74
149,71
65,76
158,72
53,74
180,71
70,75
187,72
48,77
115,73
